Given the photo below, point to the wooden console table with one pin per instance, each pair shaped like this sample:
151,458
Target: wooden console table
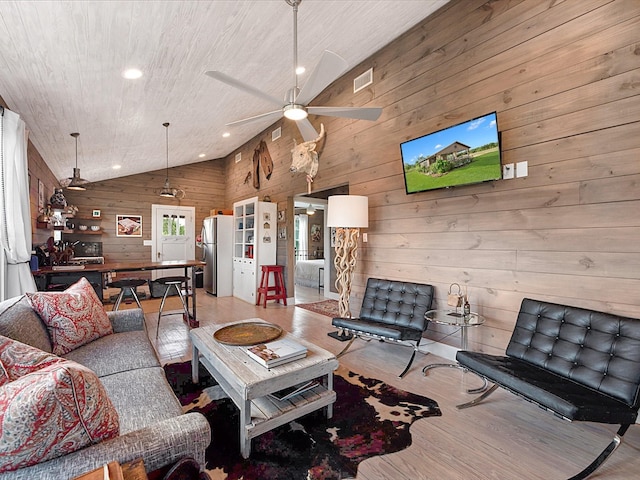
101,269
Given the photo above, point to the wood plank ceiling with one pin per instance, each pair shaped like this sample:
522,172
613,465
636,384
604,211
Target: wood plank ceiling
62,63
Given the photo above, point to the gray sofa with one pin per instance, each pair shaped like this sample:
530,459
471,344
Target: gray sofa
152,424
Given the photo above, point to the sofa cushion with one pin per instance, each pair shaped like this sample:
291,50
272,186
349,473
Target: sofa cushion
142,398
53,411
19,321
116,353
73,317
18,359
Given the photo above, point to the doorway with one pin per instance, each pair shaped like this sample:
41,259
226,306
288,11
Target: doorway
311,245
173,236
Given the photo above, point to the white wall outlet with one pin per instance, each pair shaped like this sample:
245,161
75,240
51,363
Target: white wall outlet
522,169
365,238
507,171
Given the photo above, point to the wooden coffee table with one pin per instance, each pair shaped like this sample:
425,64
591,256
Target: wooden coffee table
249,384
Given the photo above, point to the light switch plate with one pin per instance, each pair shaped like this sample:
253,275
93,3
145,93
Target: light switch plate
507,171
147,243
365,238
522,169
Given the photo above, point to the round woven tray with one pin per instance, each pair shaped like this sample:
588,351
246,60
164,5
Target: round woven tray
248,333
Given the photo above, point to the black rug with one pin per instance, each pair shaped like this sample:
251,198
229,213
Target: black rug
369,418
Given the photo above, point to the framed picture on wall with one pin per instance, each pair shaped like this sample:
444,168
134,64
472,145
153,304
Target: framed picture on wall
128,225
316,233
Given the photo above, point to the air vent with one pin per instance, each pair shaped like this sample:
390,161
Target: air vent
238,156
276,134
363,80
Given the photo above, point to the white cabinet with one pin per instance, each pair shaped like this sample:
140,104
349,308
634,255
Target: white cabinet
254,244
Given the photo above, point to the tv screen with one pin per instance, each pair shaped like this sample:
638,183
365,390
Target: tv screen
462,154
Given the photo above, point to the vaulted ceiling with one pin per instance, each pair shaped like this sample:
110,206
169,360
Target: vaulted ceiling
62,63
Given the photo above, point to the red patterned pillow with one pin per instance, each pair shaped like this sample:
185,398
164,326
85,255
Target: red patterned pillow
51,412
18,359
73,317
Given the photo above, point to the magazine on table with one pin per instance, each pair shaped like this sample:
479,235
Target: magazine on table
276,353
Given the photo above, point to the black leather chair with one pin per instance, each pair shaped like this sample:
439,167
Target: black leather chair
391,311
580,364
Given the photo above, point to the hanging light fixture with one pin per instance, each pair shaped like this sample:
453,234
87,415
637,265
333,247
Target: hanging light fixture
76,182
167,191
311,210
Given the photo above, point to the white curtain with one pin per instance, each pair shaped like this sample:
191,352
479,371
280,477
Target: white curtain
15,215
303,237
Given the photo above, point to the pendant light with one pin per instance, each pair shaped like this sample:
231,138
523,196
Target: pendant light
76,182
311,210
167,191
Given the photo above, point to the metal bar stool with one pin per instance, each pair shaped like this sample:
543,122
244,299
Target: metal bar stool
175,283
127,285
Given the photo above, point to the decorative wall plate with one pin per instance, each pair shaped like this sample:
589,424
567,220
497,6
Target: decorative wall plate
247,333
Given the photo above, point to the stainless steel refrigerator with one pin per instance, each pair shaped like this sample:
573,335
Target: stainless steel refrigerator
217,252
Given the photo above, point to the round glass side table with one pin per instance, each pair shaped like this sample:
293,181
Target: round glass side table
463,322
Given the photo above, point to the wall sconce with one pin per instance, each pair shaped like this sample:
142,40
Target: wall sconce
348,213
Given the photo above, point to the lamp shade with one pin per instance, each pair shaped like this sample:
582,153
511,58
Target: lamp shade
350,211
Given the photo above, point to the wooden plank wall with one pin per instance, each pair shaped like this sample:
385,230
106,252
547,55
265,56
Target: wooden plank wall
564,78
202,182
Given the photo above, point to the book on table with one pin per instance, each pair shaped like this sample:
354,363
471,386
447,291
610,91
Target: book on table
276,353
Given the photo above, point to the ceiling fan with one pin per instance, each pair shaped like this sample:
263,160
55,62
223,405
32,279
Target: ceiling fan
330,67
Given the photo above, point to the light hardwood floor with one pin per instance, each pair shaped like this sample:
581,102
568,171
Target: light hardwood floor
504,438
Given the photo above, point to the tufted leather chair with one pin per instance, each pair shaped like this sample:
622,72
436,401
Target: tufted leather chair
391,310
580,364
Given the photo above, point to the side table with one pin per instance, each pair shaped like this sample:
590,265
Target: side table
463,322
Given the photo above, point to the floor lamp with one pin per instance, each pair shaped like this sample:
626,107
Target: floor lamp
348,214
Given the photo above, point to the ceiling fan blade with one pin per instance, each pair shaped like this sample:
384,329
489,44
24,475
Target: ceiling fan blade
306,129
330,67
276,113
360,113
224,78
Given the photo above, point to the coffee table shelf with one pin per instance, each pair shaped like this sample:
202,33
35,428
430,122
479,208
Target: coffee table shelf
249,384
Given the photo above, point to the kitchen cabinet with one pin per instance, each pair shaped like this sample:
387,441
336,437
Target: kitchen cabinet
254,244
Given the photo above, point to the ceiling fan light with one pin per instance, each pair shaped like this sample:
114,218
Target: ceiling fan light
295,112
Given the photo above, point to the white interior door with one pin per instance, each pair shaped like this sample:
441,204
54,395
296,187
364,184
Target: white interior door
173,236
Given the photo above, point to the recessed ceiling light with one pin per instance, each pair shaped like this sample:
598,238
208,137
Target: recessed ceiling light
201,155
132,73
300,70
226,135
116,167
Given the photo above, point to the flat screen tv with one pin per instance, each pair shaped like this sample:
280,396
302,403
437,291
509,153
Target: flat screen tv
462,154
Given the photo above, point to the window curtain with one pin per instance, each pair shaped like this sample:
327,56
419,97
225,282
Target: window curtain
15,215
303,237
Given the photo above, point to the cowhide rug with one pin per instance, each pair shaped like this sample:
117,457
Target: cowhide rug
369,418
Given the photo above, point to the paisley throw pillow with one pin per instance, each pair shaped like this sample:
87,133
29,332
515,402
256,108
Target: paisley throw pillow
73,317
51,412
18,359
